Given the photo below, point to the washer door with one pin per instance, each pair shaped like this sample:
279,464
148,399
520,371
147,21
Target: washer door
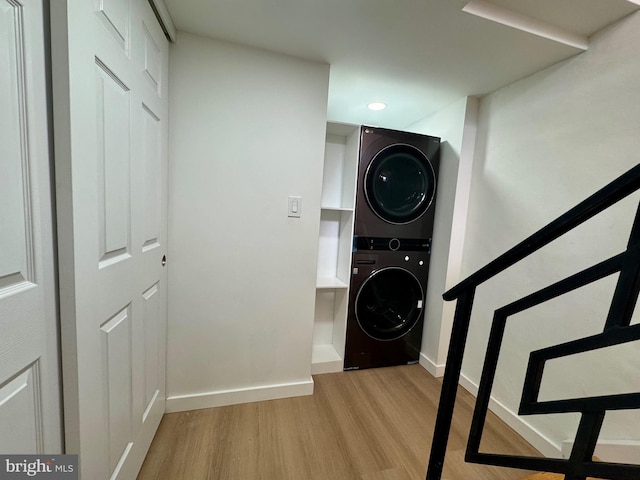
389,303
399,184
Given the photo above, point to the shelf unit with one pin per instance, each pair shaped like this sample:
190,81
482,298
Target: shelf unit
334,252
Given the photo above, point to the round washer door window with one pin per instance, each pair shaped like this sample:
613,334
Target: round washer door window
399,184
389,303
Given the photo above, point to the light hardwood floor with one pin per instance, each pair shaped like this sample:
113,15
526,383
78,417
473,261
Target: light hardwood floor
361,425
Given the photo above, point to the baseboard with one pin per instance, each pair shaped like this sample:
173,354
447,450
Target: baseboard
327,367
181,403
543,444
616,451
430,366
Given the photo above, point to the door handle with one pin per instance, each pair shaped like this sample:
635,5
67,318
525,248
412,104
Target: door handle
164,260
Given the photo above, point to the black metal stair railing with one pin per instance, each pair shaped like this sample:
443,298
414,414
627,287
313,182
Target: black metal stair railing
616,331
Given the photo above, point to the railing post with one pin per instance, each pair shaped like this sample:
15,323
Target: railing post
450,384
584,443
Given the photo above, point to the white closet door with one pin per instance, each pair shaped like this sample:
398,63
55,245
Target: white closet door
30,417
110,60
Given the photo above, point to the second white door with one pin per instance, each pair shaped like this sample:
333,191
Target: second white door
30,417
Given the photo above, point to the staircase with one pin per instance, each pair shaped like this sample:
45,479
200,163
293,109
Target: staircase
617,330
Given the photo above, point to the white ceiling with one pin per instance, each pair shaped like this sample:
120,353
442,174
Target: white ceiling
415,55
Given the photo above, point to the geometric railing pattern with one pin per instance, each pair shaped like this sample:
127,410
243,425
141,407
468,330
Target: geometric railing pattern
616,331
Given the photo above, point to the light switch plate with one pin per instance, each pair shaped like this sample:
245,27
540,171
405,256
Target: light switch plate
295,206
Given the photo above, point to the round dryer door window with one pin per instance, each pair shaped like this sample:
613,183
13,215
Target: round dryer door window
399,184
389,303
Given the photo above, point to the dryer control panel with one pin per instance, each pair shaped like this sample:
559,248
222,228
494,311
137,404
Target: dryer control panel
384,243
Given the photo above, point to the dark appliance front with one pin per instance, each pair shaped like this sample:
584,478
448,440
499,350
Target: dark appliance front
386,302
397,174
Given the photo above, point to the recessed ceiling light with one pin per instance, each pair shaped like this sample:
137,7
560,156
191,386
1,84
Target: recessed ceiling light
377,106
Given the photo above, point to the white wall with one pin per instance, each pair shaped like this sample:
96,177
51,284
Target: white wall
247,130
456,126
544,144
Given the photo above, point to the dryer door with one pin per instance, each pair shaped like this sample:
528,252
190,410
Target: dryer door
389,303
399,184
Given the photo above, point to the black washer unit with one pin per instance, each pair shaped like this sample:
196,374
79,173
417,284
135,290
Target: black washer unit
386,303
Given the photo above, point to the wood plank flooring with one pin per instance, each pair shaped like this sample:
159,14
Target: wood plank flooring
550,476
361,425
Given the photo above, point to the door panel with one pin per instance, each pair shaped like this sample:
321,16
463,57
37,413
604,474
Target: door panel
112,202
29,370
152,59
117,374
20,399
115,15
114,167
151,138
16,254
152,347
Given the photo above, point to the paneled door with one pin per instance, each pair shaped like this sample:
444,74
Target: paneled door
30,414
110,66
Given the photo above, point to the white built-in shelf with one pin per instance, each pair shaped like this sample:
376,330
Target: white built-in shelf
325,359
337,209
330,283
334,247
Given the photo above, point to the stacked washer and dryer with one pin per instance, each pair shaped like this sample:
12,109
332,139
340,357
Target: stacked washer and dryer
394,214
